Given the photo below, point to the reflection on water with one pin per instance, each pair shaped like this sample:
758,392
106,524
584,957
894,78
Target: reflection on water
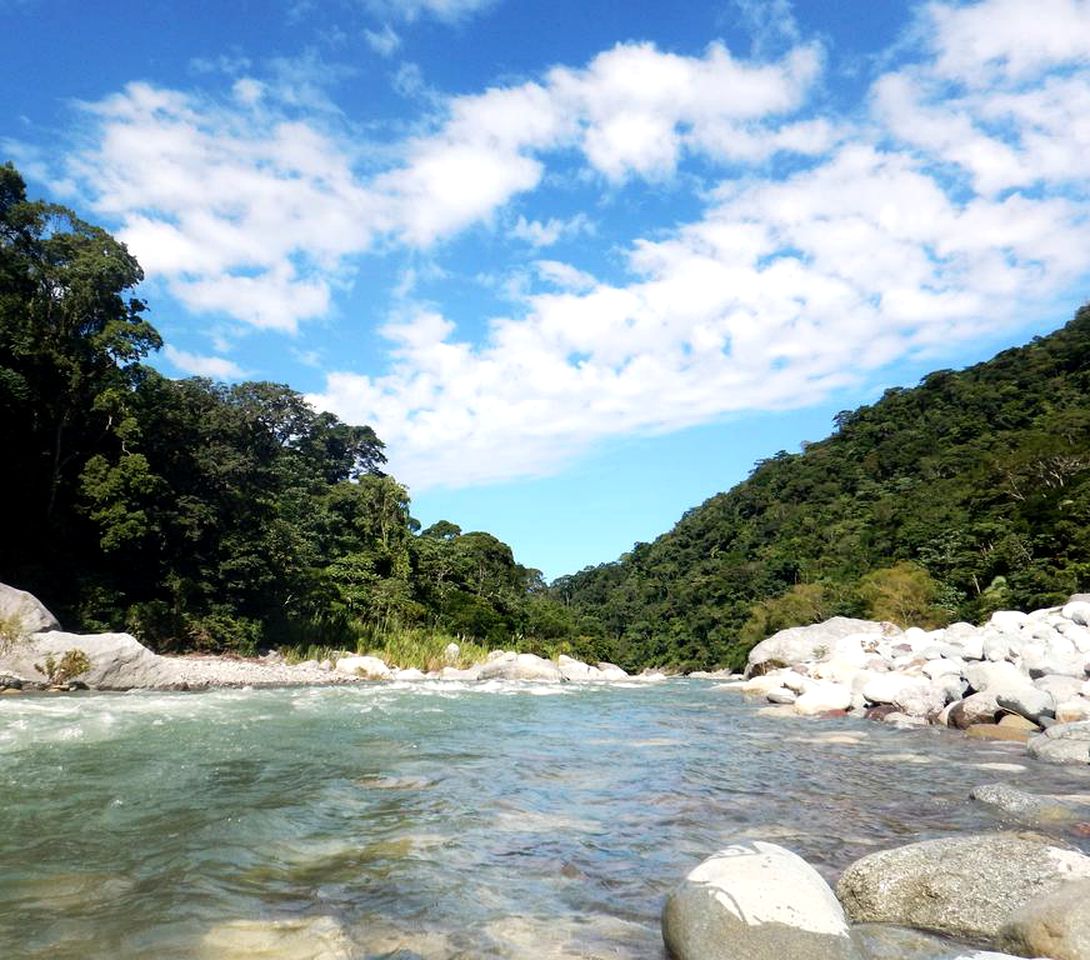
435,821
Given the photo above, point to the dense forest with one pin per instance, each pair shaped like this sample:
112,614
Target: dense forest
201,516
966,494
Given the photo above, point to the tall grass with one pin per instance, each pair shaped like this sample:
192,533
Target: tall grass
424,649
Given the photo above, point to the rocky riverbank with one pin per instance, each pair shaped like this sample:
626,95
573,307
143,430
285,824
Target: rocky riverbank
33,652
1019,677
955,898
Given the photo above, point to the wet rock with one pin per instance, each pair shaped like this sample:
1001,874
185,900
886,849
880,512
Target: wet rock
1055,924
880,941
24,613
759,901
312,938
370,668
1026,808
965,887
996,731
1063,743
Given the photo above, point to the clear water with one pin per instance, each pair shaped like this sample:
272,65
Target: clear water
434,821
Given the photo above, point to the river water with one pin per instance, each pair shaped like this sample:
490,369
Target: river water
435,820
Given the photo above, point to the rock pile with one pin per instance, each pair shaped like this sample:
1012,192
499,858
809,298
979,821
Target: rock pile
1020,677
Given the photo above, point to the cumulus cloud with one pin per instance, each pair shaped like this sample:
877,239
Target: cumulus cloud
197,365
953,200
940,217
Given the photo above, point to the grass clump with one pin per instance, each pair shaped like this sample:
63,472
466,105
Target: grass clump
423,649
72,664
12,629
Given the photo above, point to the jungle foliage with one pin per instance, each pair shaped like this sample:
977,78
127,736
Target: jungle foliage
201,516
966,494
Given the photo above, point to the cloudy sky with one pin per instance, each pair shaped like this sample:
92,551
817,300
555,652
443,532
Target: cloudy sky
580,264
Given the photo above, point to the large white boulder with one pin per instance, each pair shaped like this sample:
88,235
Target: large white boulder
814,642
22,614
759,901
1077,610
370,668
118,661
521,666
823,698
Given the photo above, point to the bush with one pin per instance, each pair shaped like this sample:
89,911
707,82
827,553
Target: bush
72,664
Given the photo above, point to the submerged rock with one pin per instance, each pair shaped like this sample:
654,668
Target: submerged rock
1024,807
965,887
759,901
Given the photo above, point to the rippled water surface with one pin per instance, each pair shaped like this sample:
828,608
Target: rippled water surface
434,821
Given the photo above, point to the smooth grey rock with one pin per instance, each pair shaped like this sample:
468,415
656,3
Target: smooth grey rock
1055,924
881,941
813,642
1025,808
370,668
782,695
610,671
916,696
759,901
964,887
1027,701
988,676
1062,743
575,671
118,660
522,666
23,613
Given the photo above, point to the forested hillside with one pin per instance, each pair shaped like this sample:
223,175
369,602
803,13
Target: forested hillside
201,516
968,493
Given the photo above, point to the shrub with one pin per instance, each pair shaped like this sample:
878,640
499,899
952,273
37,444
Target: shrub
72,664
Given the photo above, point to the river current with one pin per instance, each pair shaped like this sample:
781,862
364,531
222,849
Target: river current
435,820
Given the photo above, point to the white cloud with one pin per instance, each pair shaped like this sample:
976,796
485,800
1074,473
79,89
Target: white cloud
384,42
784,290
218,368
446,10
544,233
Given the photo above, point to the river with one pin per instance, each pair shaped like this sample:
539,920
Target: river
435,820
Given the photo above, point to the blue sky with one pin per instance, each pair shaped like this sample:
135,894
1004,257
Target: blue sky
579,264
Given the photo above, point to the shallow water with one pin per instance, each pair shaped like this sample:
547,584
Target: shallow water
435,820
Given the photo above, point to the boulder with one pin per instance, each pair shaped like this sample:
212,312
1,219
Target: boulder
1025,808
1077,610
610,671
975,708
22,614
451,653
576,671
1055,924
409,673
916,696
943,666
118,660
453,673
759,901
823,698
521,666
1063,743
813,642
1007,621
1073,710
964,887
1027,701
997,731
370,668
988,676
880,941
781,695
1061,687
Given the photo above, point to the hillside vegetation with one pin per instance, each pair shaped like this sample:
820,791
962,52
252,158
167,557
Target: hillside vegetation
204,516
968,493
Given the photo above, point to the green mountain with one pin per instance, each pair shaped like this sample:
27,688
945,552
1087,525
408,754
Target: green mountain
965,494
